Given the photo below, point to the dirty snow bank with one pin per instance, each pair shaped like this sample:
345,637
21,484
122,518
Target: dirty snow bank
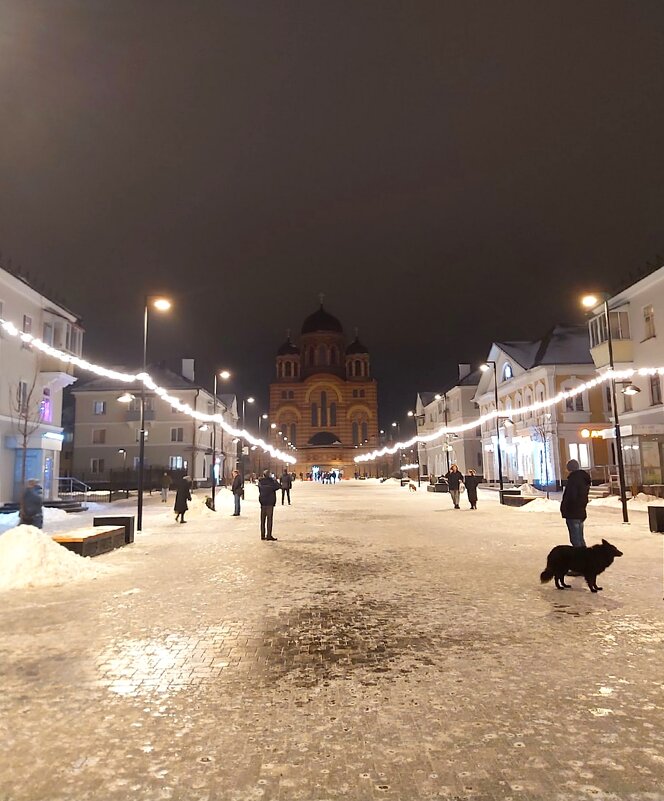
542,505
30,558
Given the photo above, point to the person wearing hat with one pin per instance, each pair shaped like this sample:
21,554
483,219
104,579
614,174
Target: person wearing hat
574,502
267,497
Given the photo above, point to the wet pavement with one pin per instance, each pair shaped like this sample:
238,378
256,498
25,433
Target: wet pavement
386,647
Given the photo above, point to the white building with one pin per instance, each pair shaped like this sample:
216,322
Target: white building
31,387
452,406
106,431
637,332
535,447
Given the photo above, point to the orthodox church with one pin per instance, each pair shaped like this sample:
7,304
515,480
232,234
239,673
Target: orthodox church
324,400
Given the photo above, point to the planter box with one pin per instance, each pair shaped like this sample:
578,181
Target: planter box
92,541
656,519
127,521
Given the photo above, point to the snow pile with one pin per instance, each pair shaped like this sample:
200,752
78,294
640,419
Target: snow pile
542,505
643,497
30,558
529,491
51,516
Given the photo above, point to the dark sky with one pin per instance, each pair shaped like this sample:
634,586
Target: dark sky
447,173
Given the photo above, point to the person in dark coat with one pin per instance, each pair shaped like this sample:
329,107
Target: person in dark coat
574,502
166,482
31,505
182,495
267,497
286,482
455,479
471,482
237,488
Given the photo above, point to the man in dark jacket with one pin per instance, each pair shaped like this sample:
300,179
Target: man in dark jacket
267,497
455,479
237,488
286,483
471,482
574,502
31,505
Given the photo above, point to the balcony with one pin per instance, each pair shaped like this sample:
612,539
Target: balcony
622,353
133,415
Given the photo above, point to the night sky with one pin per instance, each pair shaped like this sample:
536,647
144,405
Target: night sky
447,173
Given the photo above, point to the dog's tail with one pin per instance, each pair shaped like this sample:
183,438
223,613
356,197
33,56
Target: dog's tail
546,575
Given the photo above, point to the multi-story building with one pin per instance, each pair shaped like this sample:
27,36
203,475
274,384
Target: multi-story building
31,385
637,332
535,446
454,405
106,431
324,400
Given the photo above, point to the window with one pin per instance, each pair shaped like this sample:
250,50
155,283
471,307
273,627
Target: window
288,372
334,356
314,414
355,393
365,432
574,403
22,396
98,436
361,393
507,372
45,407
322,355
284,394
175,462
358,367
648,322
138,434
135,405
655,390
609,400
356,434
293,434
99,407
619,327
291,394
137,462
27,324
581,453
323,409
333,414
177,434
47,335
96,466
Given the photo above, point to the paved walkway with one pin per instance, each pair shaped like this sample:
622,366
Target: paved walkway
386,647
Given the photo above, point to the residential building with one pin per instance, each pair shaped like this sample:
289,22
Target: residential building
637,333
106,431
536,446
31,385
454,405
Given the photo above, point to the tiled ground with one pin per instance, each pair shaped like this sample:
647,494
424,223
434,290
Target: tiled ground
386,647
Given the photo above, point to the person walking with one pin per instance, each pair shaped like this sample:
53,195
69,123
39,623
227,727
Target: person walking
32,503
471,482
267,497
237,488
454,480
166,482
286,482
574,502
182,495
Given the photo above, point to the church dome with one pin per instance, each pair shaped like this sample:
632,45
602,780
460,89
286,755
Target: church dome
321,321
356,347
288,349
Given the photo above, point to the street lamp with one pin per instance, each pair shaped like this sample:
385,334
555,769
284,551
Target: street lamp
240,455
160,304
224,375
590,302
484,367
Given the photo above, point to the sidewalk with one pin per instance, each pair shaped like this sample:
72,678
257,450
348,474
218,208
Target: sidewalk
388,646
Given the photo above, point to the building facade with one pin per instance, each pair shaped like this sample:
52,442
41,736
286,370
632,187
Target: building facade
453,406
31,385
536,446
324,400
106,431
637,331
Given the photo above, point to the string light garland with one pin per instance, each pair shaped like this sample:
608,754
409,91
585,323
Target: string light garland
146,380
618,375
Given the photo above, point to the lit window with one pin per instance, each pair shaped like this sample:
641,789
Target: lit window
175,462
507,372
99,407
45,407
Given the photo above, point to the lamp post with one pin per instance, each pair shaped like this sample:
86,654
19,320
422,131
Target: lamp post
398,428
484,367
240,441
261,417
417,450
590,302
443,397
225,375
160,304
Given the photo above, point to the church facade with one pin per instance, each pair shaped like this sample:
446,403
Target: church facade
324,400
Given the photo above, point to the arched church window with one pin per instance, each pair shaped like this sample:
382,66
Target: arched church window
310,352
314,414
323,408
293,434
333,414
365,432
356,434
358,367
334,356
289,369
322,355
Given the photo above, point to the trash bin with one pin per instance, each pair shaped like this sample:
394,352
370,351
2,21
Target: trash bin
656,518
128,521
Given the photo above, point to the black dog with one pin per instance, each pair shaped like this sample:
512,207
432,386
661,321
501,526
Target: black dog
586,562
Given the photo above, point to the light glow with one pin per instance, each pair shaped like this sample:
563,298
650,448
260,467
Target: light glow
590,301
162,304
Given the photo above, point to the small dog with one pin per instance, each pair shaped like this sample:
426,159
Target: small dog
586,562
412,487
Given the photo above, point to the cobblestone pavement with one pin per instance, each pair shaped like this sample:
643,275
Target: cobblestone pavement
387,647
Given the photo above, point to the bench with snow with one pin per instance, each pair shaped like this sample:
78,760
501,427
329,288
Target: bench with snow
92,541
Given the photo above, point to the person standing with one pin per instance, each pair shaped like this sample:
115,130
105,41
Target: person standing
32,503
286,482
166,482
454,480
471,482
237,488
267,497
182,495
574,502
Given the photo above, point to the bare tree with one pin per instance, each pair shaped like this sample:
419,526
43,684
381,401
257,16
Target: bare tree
27,414
541,432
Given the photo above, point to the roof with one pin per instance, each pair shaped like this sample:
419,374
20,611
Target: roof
288,348
356,347
162,376
321,320
564,344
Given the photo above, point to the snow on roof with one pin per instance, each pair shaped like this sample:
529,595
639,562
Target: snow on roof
564,344
161,375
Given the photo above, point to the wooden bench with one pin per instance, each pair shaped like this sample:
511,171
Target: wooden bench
92,541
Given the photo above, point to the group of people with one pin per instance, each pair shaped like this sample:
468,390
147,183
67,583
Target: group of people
457,483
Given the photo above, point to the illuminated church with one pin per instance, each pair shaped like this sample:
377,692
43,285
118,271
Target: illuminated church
324,400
